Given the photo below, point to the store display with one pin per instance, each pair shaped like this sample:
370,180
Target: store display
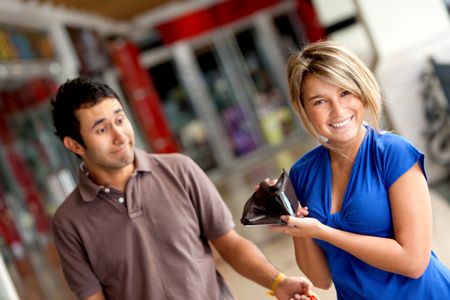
90,49
142,97
288,31
247,112
26,203
8,229
23,152
201,21
24,44
271,105
234,118
189,130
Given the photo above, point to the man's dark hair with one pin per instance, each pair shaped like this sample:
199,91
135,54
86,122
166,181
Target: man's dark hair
71,96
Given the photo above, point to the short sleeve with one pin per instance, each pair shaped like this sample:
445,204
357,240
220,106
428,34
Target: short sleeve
213,214
76,269
397,156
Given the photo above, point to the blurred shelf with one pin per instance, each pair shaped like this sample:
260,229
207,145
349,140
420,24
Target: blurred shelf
17,70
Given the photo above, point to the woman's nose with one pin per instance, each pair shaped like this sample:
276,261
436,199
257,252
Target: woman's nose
337,107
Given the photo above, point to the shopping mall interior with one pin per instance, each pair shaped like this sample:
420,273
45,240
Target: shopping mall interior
205,78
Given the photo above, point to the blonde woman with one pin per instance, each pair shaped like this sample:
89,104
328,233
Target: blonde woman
366,222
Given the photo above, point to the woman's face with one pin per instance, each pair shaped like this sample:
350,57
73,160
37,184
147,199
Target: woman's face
335,113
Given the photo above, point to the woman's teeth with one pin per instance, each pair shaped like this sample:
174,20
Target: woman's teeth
341,124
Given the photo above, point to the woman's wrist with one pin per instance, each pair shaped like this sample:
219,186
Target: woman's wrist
321,231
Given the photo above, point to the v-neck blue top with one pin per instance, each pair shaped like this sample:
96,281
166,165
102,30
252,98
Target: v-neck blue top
382,158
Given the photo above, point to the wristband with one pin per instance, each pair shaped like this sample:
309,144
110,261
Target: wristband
275,284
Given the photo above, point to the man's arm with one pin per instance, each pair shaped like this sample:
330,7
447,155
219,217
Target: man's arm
251,263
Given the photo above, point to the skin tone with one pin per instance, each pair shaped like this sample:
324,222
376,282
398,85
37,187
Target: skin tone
251,259
109,139
338,115
108,155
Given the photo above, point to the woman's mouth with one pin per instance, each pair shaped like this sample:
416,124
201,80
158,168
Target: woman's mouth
342,123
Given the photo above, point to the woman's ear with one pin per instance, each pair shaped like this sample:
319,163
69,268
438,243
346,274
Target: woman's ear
73,145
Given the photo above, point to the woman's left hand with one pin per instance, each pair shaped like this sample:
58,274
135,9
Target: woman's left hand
299,227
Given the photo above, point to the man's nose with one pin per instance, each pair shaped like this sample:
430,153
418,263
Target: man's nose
118,135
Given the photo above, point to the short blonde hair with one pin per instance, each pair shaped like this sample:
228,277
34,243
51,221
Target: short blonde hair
337,65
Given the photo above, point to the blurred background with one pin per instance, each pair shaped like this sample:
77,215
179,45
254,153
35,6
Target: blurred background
205,78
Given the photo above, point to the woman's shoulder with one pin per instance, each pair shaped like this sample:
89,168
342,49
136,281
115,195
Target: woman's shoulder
390,141
309,157
394,154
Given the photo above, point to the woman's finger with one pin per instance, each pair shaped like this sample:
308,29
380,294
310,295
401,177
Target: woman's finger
302,212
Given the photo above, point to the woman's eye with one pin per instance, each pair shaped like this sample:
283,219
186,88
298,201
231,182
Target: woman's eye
345,93
318,102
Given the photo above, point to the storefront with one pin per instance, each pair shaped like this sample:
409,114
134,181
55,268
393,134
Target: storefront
216,92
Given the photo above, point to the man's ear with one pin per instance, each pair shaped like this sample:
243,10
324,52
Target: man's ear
73,145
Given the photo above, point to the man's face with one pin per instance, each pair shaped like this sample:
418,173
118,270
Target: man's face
108,136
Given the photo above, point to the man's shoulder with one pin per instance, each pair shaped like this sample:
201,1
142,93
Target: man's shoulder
69,207
170,159
167,157
170,165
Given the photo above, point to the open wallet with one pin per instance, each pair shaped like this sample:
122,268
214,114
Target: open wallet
269,202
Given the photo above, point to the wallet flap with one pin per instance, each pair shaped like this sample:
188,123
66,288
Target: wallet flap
286,194
286,204
269,202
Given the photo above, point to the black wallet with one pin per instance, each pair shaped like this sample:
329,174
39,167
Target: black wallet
269,202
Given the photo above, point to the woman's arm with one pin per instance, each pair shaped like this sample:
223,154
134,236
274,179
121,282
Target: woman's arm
311,260
408,253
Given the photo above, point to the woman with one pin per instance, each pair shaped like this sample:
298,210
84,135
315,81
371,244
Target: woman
366,221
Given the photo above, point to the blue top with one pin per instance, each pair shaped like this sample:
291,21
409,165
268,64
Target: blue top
381,160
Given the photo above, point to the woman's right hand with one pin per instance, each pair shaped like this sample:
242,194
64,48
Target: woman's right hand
268,181
302,212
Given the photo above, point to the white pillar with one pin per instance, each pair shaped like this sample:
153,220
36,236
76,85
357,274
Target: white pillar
7,290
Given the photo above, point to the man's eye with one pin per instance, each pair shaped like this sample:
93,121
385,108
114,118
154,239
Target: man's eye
119,121
101,130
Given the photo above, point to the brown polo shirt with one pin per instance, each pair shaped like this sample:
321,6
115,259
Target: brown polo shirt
150,242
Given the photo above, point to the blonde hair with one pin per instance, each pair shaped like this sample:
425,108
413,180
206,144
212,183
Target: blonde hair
336,65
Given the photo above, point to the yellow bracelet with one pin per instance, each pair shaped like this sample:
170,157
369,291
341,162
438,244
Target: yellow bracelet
275,284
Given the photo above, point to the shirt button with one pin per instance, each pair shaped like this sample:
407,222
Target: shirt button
121,200
106,190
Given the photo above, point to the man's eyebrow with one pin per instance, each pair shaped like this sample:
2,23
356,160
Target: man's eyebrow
99,121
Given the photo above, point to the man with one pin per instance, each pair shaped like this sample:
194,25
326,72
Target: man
138,225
